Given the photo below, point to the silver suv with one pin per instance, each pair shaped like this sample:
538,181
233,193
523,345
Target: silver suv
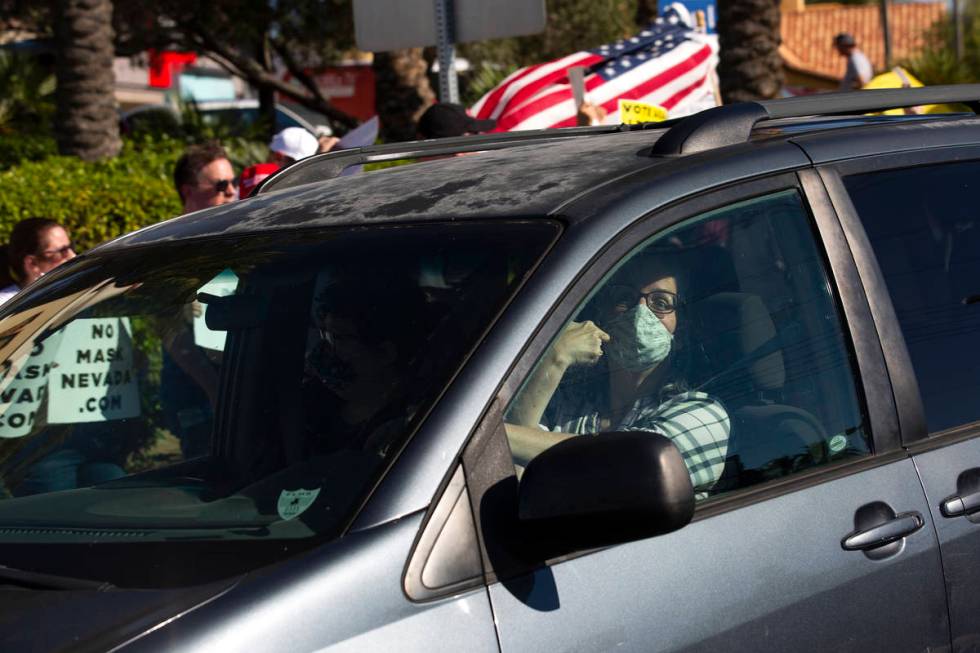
711,384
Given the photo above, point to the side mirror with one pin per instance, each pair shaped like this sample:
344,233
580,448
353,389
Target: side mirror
587,492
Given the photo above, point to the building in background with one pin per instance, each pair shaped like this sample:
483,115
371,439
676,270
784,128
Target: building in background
812,64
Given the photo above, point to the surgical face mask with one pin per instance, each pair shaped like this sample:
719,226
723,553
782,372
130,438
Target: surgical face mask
638,340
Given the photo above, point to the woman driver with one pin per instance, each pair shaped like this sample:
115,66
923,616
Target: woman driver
623,374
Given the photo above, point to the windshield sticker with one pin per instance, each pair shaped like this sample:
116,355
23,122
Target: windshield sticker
94,379
293,503
221,286
22,396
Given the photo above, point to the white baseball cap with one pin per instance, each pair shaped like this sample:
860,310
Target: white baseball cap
294,142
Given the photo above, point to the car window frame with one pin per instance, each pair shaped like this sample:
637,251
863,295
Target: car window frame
853,310
910,408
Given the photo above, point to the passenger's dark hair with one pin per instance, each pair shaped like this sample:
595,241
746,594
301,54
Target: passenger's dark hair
26,239
193,159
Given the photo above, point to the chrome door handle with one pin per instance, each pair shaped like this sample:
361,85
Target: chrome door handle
892,530
956,506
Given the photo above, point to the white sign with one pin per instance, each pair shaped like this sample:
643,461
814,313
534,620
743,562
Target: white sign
221,286
94,380
22,396
292,503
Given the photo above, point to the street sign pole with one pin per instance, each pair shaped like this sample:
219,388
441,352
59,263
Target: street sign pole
446,51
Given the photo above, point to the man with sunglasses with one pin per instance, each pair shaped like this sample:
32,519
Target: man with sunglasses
204,177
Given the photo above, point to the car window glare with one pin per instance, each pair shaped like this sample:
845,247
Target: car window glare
243,390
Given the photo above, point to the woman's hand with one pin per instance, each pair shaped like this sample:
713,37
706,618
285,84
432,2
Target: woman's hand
579,344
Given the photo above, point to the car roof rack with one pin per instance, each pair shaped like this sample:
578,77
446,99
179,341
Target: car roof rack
332,164
733,123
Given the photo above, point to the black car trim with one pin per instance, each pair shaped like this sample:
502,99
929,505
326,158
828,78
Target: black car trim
733,123
908,400
853,303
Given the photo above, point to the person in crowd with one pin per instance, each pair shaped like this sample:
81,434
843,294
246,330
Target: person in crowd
624,371
859,70
590,115
445,120
326,141
286,147
252,176
204,177
291,145
36,246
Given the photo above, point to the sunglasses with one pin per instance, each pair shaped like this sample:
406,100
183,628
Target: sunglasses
222,185
61,252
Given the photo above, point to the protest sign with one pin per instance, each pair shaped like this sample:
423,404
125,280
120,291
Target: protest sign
94,380
224,284
632,112
22,395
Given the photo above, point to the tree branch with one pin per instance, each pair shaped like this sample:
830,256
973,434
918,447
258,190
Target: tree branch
248,69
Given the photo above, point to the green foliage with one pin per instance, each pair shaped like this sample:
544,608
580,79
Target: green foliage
95,201
245,142
16,149
937,62
26,94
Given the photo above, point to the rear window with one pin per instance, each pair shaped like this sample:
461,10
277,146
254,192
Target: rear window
234,398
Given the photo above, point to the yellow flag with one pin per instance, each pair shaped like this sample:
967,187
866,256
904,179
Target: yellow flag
898,77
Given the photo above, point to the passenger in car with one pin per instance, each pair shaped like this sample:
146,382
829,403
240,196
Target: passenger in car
624,372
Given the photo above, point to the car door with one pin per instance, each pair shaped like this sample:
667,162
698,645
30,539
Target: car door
921,236
793,452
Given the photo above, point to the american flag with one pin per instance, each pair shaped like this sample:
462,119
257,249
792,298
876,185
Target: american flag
668,64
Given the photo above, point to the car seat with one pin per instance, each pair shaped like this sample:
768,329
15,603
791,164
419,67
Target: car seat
741,364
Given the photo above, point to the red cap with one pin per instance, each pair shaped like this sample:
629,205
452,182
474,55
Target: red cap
252,175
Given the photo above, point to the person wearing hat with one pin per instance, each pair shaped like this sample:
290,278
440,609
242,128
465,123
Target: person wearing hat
859,70
286,147
445,120
292,144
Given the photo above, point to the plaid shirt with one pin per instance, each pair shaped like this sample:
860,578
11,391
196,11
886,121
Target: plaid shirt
696,422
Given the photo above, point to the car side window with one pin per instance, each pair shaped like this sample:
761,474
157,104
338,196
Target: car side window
722,333
924,228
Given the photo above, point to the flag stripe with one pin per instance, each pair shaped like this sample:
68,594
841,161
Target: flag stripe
521,91
667,64
553,108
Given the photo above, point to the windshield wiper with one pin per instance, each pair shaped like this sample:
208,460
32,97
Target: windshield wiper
39,581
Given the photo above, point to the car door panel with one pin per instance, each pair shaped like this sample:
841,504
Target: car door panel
772,575
912,217
948,472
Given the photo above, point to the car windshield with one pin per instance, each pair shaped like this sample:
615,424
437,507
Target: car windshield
222,397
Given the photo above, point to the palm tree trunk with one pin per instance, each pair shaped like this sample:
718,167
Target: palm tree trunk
750,67
402,90
86,124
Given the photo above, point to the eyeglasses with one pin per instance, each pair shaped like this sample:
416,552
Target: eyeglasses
622,298
222,185
60,253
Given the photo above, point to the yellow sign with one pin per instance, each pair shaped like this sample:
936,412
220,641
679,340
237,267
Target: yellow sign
632,112
898,77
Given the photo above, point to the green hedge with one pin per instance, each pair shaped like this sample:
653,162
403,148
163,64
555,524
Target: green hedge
95,201
16,149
